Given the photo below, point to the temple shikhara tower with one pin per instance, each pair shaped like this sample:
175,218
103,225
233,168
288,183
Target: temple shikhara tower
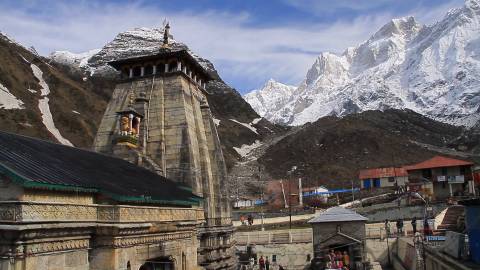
159,118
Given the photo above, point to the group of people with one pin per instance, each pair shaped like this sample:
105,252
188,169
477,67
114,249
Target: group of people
399,224
246,220
264,264
337,260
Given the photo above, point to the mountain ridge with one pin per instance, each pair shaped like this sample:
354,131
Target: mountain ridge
430,69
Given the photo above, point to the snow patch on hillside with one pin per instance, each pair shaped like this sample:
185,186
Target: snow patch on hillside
249,126
8,101
47,117
245,149
216,121
256,120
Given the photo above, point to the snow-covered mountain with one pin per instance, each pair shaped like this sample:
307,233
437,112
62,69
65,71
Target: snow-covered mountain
271,97
135,42
433,70
73,59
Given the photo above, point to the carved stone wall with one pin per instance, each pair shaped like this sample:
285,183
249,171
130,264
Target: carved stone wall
63,212
48,236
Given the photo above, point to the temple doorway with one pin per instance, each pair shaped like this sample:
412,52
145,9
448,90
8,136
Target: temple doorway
162,263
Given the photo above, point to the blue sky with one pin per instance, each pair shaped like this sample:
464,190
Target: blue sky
248,41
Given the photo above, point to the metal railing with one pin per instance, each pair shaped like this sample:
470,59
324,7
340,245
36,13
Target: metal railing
274,237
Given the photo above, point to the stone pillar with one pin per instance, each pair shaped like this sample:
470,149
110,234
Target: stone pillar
166,67
142,71
190,74
300,194
154,69
195,78
130,123
130,73
179,66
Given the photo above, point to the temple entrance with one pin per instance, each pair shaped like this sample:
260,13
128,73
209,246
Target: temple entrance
162,263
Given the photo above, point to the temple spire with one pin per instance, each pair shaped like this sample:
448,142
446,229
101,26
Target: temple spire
166,34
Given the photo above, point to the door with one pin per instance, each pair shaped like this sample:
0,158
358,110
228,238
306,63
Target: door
366,183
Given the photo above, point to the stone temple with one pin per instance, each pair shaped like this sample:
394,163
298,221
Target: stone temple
159,118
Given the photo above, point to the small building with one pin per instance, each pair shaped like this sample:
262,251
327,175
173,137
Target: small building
449,177
315,195
476,175
282,194
338,229
383,177
245,202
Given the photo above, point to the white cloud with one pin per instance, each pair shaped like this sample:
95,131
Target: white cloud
247,54
318,7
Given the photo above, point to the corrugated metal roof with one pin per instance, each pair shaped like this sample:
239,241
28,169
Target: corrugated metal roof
382,172
37,163
438,162
338,214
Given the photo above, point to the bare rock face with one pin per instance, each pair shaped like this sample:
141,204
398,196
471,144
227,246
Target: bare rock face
432,70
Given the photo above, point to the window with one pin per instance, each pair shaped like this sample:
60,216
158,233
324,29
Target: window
427,173
148,70
161,68
463,170
444,171
137,71
309,258
274,258
391,179
376,182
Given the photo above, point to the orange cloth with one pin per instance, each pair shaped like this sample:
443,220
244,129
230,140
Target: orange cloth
346,259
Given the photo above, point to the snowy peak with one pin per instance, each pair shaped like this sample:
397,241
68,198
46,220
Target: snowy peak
432,70
79,60
472,4
272,95
274,86
406,26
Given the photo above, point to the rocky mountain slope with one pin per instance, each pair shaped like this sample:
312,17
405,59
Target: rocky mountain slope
432,70
331,150
43,100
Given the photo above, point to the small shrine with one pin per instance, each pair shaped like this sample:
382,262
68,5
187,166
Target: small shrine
129,126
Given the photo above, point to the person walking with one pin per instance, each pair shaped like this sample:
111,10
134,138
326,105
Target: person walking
426,227
414,225
250,220
387,227
401,226
261,263
397,224
267,263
